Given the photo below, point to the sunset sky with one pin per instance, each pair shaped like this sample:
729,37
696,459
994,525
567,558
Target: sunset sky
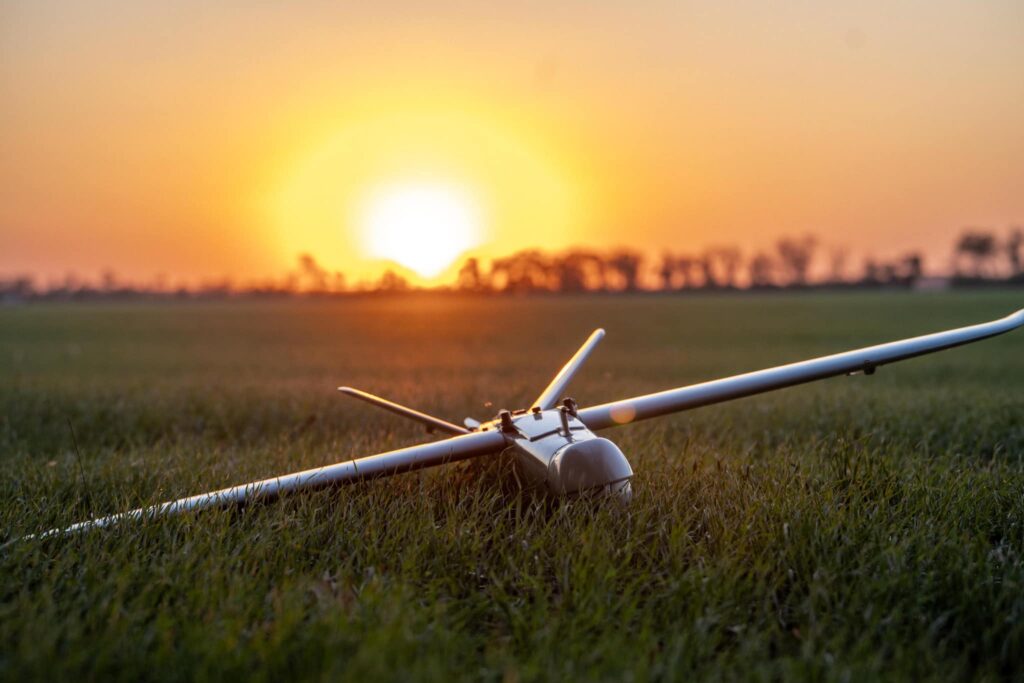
223,139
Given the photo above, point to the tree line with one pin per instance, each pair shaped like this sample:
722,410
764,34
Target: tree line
979,257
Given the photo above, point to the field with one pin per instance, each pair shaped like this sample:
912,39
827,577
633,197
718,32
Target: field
857,528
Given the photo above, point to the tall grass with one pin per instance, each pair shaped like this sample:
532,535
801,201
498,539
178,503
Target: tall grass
859,528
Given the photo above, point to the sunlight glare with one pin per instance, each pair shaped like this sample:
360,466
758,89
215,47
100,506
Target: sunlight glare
422,226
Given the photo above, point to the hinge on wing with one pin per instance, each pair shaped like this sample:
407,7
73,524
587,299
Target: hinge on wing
506,421
868,368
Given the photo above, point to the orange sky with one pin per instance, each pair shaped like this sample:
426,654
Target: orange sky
216,139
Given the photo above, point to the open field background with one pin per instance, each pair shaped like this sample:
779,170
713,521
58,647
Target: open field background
856,528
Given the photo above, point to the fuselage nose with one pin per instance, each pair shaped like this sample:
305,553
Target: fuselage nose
557,451
594,464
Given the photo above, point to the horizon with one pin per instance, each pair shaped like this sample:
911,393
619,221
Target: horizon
979,257
213,142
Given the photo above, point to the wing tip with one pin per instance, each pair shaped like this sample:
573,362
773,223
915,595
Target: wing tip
1014,320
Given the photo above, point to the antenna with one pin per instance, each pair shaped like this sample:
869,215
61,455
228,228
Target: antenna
553,392
430,421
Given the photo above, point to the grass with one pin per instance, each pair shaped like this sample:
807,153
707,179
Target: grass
858,528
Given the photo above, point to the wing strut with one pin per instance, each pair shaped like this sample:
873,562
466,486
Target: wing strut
429,420
862,360
553,392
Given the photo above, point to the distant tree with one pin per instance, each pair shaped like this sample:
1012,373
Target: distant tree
795,256
160,283
524,271
338,282
874,272
911,268
71,283
687,267
311,272
904,271
18,288
667,271
706,266
729,260
290,283
391,281
470,278
626,266
578,270
837,259
979,247
108,280
497,275
762,270
1014,243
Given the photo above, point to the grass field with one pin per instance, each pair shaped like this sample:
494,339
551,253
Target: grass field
858,528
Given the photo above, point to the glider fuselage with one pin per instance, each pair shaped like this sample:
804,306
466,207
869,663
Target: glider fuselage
555,449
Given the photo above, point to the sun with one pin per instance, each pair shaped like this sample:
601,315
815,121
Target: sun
416,183
423,226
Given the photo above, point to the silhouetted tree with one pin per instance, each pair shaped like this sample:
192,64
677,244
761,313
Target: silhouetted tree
706,265
911,269
497,276
1014,243
872,271
312,273
795,255
470,278
667,271
626,266
837,258
72,283
18,288
977,245
687,267
762,270
578,270
290,283
338,282
524,271
391,281
729,260
904,271
108,280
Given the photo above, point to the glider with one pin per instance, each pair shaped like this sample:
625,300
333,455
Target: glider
553,439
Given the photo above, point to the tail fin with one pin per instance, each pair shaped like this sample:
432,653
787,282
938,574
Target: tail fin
553,392
430,421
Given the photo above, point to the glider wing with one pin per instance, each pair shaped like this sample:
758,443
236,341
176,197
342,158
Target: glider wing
383,464
862,360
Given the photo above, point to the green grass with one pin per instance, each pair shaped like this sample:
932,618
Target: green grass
858,528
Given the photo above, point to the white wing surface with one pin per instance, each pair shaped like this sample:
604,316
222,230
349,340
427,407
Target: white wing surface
717,391
383,464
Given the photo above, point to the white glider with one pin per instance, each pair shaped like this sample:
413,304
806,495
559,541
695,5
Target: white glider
555,442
